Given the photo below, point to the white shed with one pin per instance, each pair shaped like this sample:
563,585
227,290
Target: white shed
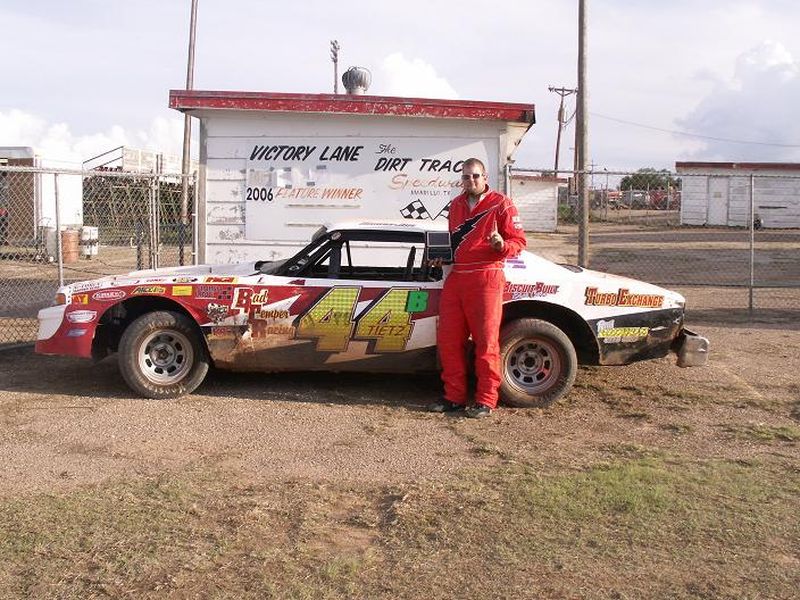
274,167
718,193
536,198
29,198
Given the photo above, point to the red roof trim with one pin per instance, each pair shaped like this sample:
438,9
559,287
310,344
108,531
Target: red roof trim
744,166
185,100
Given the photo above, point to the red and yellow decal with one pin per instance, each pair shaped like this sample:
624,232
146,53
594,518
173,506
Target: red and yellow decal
622,297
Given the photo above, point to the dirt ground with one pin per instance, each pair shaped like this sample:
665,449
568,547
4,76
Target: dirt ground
343,462
67,423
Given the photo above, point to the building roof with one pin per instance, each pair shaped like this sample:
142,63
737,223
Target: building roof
393,225
191,100
742,166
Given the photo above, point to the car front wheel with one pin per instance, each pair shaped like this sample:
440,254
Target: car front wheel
538,363
161,355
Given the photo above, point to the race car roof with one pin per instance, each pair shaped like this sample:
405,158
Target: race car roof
395,225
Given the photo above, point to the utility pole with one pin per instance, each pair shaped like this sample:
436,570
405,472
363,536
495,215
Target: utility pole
563,92
187,137
582,139
335,58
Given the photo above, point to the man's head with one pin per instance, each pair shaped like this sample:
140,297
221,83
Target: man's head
473,176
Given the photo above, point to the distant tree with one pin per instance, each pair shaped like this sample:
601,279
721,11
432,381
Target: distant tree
649,178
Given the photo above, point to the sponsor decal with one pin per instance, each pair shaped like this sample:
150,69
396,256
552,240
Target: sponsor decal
222,333
515,263
80,298
82,316
264,330
216,312
184,279
610,334
261,314
530,290
76,332
622,297
149,289
181,290
206,292
108,295
220,279
87,286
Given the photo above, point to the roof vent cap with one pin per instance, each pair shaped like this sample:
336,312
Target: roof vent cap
356,80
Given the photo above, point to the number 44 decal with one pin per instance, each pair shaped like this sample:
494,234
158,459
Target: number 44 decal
387,321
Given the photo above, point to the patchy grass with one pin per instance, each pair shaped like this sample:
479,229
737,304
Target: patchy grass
639,526
761,432
677,428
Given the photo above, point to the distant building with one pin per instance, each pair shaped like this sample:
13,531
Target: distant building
136,160
718,193
28,199
536,198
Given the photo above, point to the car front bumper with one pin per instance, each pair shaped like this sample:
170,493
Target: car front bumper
692,349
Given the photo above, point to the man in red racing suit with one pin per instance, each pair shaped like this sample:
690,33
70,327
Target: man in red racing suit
484,229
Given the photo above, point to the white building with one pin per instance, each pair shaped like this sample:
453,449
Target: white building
536,198
28,199
274,167
718,193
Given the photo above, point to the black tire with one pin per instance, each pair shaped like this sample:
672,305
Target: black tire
161,355
538,363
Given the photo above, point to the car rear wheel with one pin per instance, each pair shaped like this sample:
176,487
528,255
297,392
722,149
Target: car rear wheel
161,355
538,363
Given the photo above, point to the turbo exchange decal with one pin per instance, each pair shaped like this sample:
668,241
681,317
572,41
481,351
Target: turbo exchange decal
622,297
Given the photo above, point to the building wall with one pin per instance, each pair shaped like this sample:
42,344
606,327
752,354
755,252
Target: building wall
776,197
237,229
537,202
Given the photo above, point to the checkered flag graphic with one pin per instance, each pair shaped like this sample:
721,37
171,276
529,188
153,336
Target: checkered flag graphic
415,210
445,212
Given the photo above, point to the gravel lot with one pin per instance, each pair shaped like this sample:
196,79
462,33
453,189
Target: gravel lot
65,422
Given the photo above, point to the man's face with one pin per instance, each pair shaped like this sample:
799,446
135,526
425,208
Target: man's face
473,179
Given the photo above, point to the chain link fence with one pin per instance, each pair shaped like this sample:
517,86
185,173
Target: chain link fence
61,226
726,241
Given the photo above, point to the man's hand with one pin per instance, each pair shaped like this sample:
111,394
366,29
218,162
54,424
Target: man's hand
435,262
496,240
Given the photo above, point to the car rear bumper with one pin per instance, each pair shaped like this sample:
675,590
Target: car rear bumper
692,349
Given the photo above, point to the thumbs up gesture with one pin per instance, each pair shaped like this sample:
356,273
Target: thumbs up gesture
495,239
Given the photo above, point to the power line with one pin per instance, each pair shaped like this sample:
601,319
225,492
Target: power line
695,135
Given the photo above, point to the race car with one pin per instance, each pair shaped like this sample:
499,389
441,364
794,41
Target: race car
361,297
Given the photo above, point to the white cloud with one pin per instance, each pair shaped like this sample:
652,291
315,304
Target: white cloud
414,78
56,142
756,105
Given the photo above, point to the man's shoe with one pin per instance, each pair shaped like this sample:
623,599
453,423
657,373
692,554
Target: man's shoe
445,406
478,411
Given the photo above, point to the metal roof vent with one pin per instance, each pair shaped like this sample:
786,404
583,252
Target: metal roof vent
356,80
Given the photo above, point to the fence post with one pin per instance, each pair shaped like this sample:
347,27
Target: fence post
752,243
195,224
59,250
153,224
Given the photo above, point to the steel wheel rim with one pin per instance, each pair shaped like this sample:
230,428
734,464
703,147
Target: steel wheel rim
165,357
533,365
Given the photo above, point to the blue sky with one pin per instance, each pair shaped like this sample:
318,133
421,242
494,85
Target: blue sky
83,76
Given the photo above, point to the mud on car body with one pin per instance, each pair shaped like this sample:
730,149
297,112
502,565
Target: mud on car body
360,297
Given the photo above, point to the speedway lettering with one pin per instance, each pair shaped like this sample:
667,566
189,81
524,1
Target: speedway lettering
622,297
